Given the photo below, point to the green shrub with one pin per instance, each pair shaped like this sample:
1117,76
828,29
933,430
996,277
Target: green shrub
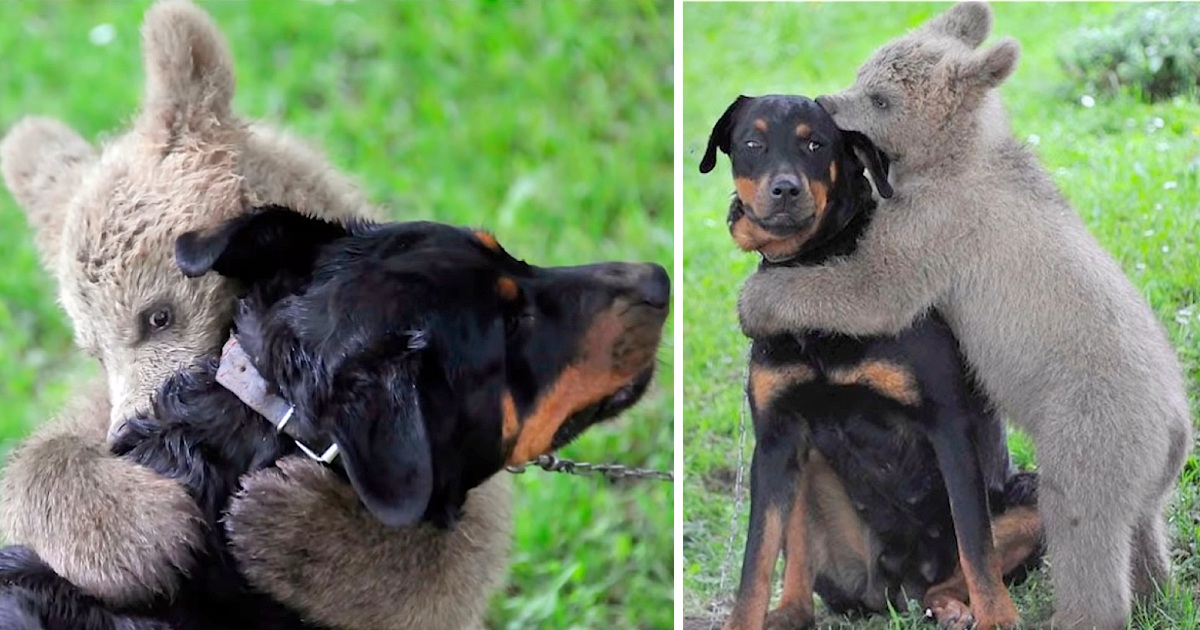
1151,50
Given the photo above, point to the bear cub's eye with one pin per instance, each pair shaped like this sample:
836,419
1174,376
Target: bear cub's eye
159,318
753,144
813,145
879,101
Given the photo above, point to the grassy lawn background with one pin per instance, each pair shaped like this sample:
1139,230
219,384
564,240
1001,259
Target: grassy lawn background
1131,170
532,120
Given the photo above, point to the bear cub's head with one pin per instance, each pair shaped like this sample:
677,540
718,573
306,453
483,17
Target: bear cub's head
929,90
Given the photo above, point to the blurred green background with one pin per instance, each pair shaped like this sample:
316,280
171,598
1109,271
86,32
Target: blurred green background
1131,169
549,123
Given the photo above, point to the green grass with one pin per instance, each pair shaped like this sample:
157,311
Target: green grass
1131,170
548,123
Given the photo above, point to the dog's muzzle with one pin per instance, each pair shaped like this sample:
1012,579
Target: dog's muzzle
237,374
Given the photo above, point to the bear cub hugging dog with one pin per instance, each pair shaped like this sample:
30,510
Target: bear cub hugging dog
385,338
104,221
1058,336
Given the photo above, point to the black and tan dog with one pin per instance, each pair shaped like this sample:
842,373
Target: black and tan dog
878,465
426,353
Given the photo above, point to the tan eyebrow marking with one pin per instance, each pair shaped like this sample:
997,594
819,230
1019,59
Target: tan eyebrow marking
507,288
488,240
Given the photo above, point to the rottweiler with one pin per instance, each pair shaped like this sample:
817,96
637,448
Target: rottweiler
425,353
878,465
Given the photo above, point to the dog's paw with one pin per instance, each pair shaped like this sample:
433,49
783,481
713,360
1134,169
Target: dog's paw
792,617
949,613
300,533
117,530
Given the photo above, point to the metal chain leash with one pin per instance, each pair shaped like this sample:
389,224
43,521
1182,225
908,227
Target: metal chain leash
553,463
737,498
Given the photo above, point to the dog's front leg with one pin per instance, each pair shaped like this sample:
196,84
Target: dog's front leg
991,606
795,608
1018,535
781,447
771,495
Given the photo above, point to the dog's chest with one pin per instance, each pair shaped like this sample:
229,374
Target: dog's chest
823,365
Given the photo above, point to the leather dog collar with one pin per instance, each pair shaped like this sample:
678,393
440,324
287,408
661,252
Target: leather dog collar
237,373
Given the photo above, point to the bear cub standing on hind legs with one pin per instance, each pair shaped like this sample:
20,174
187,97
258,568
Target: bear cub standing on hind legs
1060,338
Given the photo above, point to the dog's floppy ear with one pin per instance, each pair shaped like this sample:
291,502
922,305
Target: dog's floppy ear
381,435
875,160
719,138
256,246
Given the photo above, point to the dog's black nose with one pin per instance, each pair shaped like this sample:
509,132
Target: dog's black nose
785,185
655,286
826,104
640,283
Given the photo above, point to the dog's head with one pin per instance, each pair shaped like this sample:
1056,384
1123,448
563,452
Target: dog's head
430,355
798,177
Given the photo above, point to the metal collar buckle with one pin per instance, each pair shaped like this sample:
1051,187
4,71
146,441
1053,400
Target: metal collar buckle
326,457
236,373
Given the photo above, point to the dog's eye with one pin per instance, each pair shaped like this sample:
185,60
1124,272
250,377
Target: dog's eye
159,319
813,145
879,102
753,144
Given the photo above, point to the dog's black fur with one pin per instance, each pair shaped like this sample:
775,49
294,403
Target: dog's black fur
431,357
899,419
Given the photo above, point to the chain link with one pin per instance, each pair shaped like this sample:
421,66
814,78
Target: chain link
554,463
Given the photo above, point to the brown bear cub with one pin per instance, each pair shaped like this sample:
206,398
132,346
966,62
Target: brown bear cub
1060,339
105,219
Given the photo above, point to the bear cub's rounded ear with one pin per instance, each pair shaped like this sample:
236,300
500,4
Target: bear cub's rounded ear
987,69
43,162
968,22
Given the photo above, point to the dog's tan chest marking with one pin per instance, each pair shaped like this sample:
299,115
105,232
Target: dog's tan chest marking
750,237
768,382
884,377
